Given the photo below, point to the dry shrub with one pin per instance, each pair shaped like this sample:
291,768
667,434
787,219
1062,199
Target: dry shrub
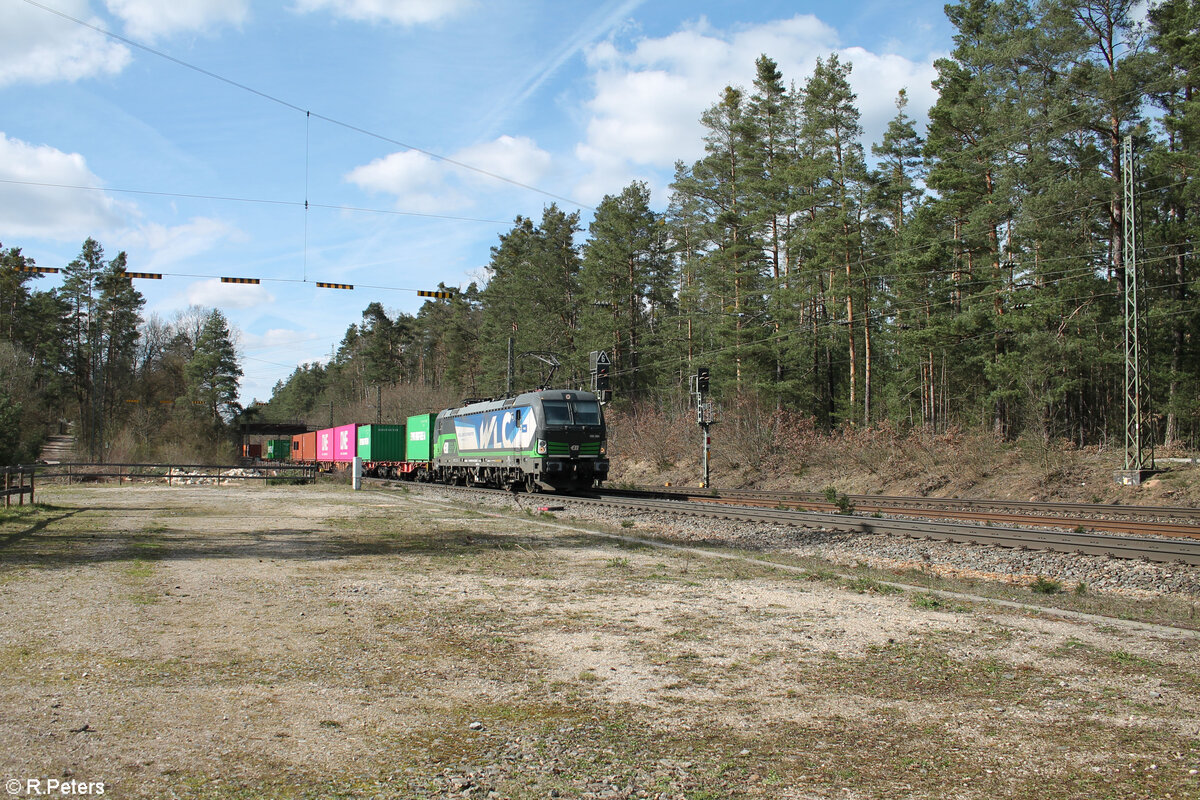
645,431
777,439
760,442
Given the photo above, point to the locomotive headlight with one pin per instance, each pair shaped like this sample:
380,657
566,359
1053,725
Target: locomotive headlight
604,448
541,447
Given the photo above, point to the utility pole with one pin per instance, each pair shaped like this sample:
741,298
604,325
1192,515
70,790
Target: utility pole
1139,447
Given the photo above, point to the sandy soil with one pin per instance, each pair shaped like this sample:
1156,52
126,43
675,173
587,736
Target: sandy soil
313,642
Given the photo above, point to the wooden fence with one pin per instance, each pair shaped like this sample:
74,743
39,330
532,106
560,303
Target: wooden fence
15,485
73,472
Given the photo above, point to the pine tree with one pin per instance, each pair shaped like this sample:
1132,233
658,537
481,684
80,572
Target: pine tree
835,169
101,322
896,192
965,149
118,317
728,255
14,293
1173,167
213,372
624,270
532,296
772,130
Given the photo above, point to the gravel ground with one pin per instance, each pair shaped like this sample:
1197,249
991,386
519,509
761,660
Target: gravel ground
1135,579
245,643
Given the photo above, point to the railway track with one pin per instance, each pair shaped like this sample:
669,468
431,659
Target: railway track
1178,522
1167,550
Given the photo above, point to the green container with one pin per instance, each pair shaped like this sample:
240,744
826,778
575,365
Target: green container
279,449
381,442
420,438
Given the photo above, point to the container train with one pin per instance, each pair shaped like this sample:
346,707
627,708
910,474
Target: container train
553,439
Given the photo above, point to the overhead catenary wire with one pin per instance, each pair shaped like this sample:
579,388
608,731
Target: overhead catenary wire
995,139
307,112
258,200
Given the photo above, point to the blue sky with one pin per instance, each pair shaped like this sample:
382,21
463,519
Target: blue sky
197,178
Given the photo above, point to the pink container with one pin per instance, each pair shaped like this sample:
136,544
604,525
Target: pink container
345,443
325,444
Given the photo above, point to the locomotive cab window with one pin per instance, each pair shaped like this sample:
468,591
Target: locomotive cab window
557,412
586,413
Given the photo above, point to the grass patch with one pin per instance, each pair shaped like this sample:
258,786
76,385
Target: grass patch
1044,585
936,602
140,570
872,586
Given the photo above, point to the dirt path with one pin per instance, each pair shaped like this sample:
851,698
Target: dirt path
300,642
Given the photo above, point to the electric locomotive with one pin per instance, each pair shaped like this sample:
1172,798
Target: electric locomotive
549,439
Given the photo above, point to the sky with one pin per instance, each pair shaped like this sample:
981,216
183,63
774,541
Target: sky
190,134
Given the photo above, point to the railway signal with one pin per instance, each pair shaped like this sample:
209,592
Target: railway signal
601,384
705,415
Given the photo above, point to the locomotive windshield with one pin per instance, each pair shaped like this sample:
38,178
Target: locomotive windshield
587,413
562,412
557,412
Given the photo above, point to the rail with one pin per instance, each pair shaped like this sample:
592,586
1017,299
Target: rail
72,472
1020,512
20,488
1184,551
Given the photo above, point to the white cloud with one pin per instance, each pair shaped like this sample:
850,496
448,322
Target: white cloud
214,294
425,184
159,247
277,337
35,207
645,112
417,181
37,46
397,173
516,158
399,12
151,19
